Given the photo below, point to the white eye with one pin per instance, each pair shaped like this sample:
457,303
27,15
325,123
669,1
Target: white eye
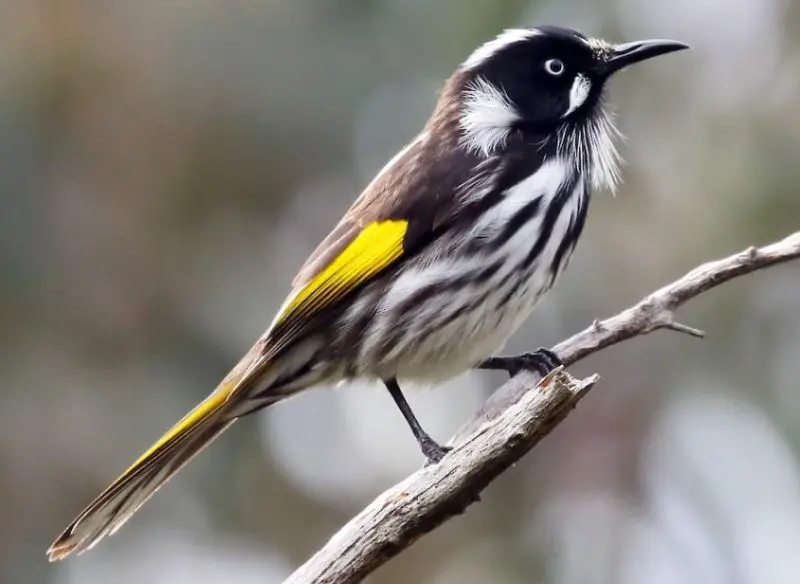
554,67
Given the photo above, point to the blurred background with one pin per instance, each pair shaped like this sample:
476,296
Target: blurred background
166,166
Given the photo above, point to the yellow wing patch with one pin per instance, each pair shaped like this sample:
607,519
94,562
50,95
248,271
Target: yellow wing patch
375,248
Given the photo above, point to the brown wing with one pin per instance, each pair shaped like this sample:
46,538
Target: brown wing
417,185
411,202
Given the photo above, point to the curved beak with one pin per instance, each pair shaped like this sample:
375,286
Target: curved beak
620,56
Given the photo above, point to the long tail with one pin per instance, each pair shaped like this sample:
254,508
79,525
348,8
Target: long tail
114,506
256,382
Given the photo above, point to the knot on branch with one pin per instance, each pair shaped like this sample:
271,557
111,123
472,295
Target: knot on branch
658,313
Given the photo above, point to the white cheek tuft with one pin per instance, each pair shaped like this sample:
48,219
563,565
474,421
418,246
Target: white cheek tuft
487,117
581,87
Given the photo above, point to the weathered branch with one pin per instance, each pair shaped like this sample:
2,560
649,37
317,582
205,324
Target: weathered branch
511,422
435,493
656,311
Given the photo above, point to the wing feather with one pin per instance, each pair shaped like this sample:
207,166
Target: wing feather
375,247
408,204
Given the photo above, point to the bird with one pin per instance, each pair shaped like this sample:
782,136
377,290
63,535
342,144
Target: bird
438,261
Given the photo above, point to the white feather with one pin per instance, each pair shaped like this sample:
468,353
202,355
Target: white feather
487,117
492,47
591,144
581,87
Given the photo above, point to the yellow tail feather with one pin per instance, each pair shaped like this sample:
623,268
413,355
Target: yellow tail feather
205,408
114,506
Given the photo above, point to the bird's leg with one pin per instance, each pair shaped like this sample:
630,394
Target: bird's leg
542,361
432,450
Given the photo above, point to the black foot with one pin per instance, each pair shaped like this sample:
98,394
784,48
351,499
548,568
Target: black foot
542,361
432,450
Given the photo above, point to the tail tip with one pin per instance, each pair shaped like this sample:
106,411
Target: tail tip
60,549
65,545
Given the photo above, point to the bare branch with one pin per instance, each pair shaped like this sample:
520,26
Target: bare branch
511,422
435,493
656,310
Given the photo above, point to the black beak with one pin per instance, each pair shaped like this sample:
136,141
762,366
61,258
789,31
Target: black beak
626,54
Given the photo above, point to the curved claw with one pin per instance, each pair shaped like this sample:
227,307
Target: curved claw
543,361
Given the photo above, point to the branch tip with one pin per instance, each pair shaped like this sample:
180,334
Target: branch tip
685,328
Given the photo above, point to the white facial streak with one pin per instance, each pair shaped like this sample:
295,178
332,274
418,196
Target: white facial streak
581,87
487,116
507,37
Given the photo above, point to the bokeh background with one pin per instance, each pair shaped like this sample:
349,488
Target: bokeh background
166,166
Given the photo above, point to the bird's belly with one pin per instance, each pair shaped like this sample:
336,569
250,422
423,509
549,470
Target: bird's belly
459,331
466,332
443,316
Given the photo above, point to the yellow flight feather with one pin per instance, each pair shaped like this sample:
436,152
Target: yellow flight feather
208,406
376,247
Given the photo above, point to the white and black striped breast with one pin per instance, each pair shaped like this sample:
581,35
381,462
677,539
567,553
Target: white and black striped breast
463,297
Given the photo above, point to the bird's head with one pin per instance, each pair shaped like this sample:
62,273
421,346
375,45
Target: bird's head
539,83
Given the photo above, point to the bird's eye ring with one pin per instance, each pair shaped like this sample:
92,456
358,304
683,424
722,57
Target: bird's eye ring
554,67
